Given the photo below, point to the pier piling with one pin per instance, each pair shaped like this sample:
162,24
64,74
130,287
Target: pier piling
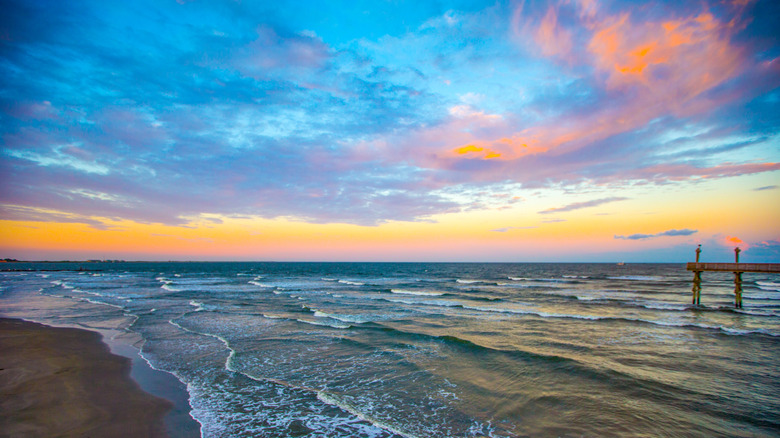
737,268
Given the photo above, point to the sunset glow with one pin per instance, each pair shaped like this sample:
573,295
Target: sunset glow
401,131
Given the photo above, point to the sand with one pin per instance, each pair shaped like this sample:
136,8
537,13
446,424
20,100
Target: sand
65,382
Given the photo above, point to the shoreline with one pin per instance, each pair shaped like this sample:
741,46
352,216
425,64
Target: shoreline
66,382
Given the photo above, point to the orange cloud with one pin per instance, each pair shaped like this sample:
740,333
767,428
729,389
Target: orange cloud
667,66
678,58
472,149
736,241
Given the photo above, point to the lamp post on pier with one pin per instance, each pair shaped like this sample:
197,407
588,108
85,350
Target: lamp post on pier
737,281
697,281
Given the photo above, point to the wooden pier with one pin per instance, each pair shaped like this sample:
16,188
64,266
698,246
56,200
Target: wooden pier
736,267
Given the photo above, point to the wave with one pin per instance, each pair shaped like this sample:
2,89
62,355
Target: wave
442,303
325,324
768,285
586,298
342,318
664,306
544,280
414,292
637,278
334,400
102,303
727,330
62,284
761,296
482,282
351,283
198,305
257,283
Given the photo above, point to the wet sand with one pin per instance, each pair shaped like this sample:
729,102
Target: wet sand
65,382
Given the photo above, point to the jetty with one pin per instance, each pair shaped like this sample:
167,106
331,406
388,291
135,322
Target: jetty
737,268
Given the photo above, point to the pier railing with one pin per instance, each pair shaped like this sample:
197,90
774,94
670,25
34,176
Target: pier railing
737,268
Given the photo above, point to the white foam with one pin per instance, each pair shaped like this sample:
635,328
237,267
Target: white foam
257,283
769,285
102,303
333,400
351,283
324,324
342,318
198,305
587,298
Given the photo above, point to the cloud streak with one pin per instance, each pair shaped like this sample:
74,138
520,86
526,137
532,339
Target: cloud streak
581,205
668,233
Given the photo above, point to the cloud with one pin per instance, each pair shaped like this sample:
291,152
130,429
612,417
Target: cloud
674,64
735,241
683,232
28,214
259,111
759,189
505,229
580,205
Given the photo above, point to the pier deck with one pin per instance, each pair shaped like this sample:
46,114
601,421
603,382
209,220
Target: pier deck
734,267
737,268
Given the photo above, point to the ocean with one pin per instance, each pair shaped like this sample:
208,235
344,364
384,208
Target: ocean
434,350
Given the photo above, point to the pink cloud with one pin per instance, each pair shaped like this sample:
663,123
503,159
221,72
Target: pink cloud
646,68
553,39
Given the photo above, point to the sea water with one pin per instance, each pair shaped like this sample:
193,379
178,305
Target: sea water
435,350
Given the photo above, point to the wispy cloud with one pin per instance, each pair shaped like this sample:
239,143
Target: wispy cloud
682,232
505,229
759,189
581,205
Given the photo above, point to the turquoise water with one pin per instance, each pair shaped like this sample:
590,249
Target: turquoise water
435,350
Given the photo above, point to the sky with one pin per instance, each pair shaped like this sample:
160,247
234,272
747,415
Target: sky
390,130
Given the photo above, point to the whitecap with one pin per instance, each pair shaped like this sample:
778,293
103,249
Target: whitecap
325,324
351,283
256,283
768,285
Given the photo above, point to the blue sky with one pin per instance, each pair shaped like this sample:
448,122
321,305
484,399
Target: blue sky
368,113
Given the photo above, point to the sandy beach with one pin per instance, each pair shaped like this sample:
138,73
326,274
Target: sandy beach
65,382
